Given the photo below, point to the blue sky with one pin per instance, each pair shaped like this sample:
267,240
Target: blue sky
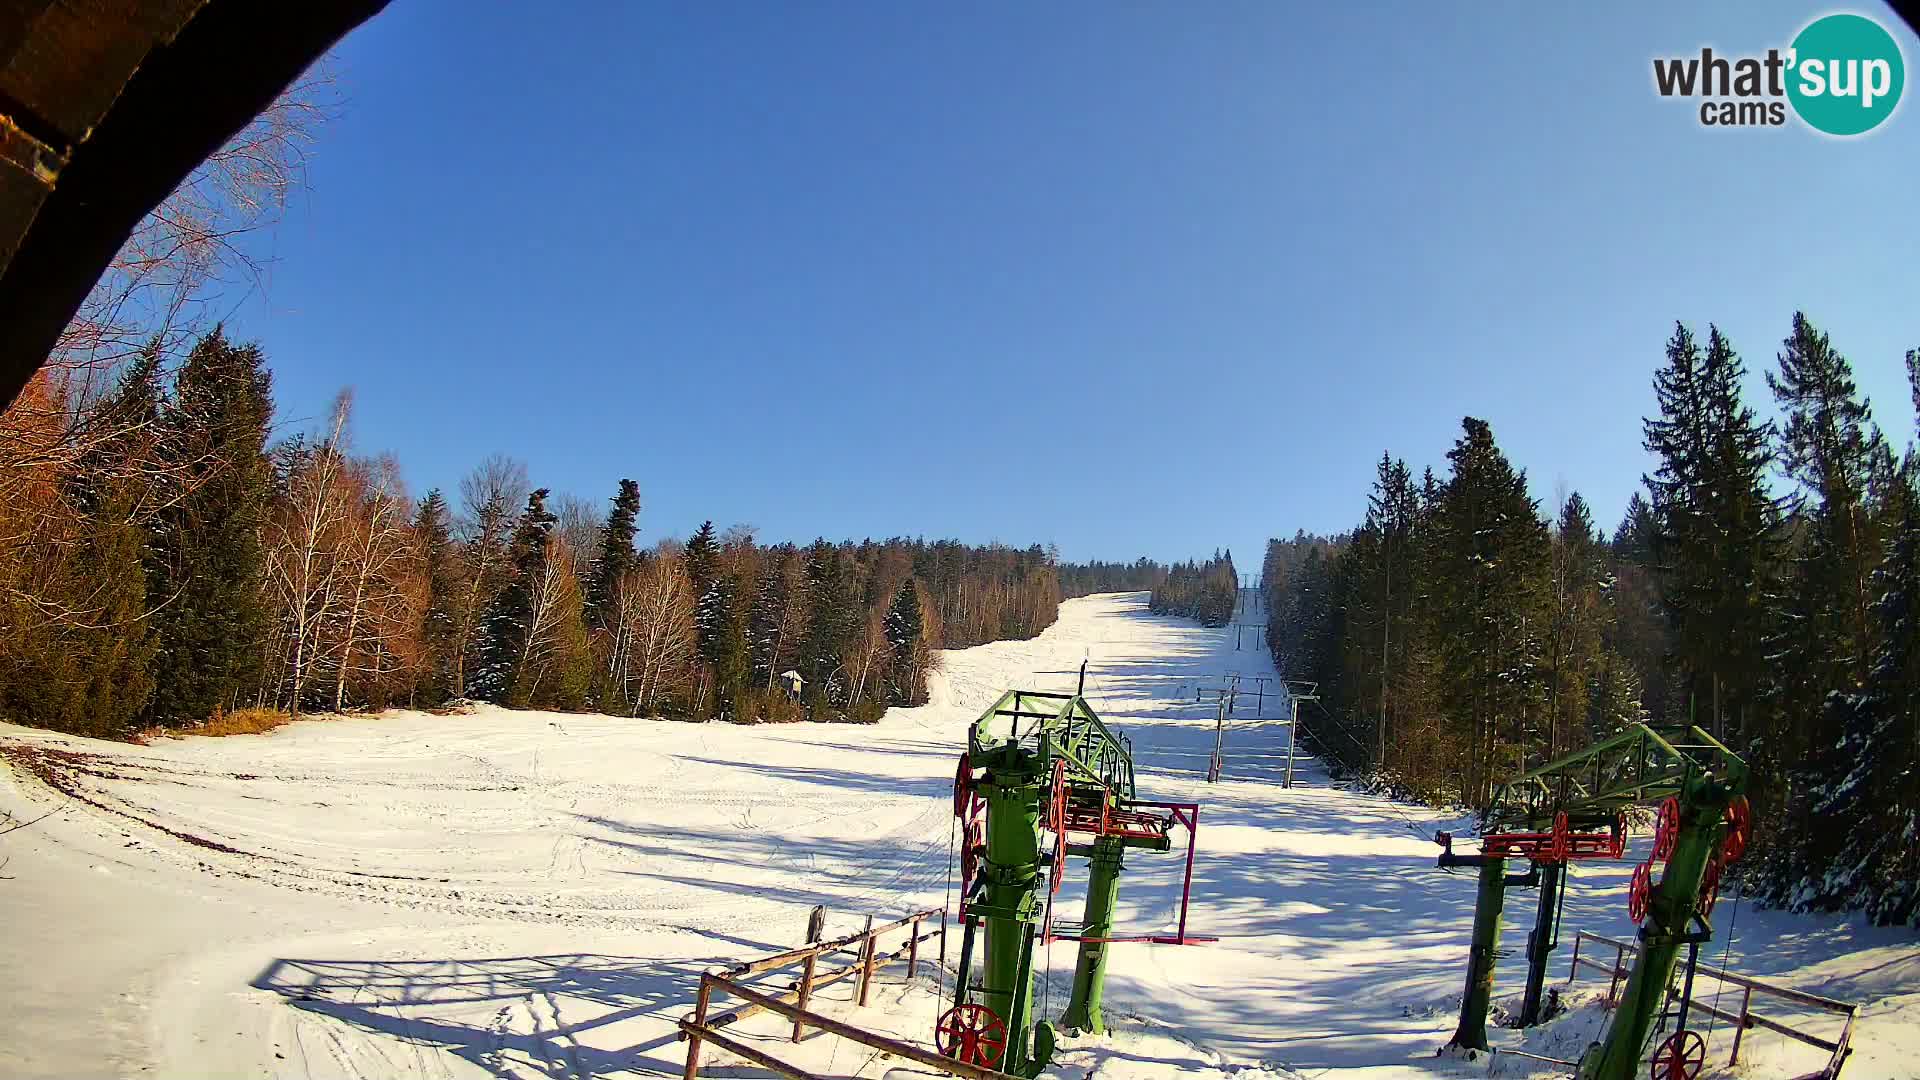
1129,278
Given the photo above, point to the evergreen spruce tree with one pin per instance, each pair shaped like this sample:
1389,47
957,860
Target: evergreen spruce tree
904,626
1634,539
1868,792
1744,554
1591,691
703,558
113,655
1680,539
1380,570
719,623
1828,446
107,655
205,581
508,622
1490,567
769,625
433,531
1714,536
88,671
831,624
1826,628
616,555
1876,800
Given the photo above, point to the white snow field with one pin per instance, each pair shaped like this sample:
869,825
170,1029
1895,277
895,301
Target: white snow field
516,894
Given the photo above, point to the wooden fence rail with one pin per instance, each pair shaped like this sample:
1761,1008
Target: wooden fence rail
1743,1020
792,1002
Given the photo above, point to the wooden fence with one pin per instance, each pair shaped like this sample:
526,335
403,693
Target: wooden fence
705,1026
1746,1018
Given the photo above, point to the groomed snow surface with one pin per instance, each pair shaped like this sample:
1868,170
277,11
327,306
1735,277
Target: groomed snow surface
519,894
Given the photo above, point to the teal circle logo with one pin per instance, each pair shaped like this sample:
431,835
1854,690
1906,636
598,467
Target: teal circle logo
1845,74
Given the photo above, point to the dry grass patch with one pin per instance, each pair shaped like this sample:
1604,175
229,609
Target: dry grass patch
237,722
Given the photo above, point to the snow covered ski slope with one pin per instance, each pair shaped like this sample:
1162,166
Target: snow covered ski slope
515,894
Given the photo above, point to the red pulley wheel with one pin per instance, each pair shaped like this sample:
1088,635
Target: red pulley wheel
1617,843
1562,837
1739,829
971,1033
1058,872
1639,894
963,785
1666,834
1057,799
1057,809
1679,1058
1709,888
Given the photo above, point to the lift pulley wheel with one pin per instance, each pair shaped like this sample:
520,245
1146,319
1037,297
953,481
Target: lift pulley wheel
963,792
1562,841
1666,834
1679,1058
1739,829
971,1033
1709,888
1640,894
1617,840
1057,799
1058,872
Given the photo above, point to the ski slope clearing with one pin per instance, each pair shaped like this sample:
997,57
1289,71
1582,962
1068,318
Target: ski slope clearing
514,894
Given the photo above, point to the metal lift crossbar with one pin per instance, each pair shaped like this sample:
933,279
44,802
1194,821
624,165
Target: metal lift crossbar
1639,765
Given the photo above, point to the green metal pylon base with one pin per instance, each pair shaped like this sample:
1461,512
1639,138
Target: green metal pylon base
1008,907
1544,939
1090,971
1471,1033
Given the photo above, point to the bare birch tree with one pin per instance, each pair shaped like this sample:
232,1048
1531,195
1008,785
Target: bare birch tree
658,622
382,615
303,545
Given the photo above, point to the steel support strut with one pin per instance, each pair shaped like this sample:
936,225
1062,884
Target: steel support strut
1544,939
1472,1032
1090,972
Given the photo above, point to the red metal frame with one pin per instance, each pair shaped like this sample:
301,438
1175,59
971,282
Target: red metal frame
1148,939
1133,823
1559,846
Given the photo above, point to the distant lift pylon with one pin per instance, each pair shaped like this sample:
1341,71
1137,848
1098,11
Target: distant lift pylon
1043,764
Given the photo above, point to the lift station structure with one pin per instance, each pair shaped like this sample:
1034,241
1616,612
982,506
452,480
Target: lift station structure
1043,780
1574,809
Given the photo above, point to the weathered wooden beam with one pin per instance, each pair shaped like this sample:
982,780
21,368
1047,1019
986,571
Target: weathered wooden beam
929,1058
110,105
731,1046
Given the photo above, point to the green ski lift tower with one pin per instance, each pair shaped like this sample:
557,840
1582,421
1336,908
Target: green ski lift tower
1043,779
1573,809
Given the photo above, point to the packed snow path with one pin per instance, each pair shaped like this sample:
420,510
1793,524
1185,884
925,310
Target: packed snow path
525,894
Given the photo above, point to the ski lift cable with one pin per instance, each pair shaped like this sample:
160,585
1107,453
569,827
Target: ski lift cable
939,995
1391,803
1726,958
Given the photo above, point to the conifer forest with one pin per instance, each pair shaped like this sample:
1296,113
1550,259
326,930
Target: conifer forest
1763,585
189,564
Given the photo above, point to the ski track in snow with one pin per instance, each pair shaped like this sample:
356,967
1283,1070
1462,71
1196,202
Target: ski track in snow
520,894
